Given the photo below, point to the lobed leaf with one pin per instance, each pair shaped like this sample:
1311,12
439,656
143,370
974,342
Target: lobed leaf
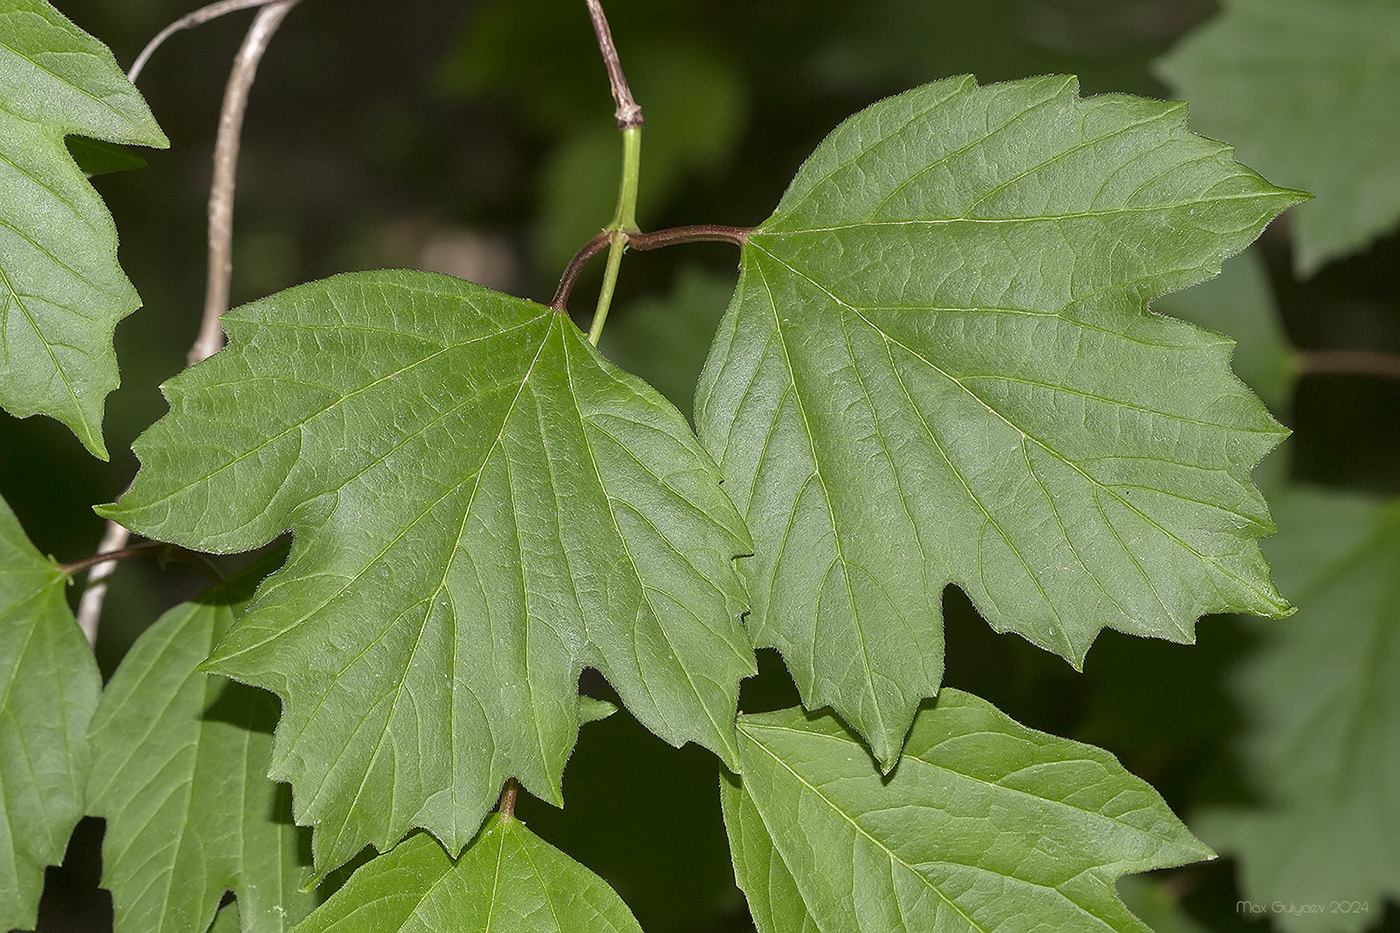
985,825
61,289
48,690
1306,90
508,881
1320,696
482,507
937,368
180,761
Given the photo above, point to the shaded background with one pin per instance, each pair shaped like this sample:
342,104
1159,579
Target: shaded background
477,138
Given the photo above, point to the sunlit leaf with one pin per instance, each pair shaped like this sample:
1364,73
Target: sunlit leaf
938,368
61,289
48,690
508,881
984,826
482,506
180,761
1306,90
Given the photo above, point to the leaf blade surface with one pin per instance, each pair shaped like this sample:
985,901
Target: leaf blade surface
48,690
985,825
937,368
180,761
483,506
508,881
61,289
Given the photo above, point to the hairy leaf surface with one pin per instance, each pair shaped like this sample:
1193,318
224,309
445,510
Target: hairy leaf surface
1321,697
48,690
180,761
508,881
937,367
1306,89
985,825
482,507
61,289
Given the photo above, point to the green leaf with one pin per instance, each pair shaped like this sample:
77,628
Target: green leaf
508,881
937,368
482,507
1320,696
61,289
180,761
48,690
1306,89
985,825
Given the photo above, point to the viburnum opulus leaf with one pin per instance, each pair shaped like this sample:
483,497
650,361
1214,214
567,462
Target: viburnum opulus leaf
508,881
939,367
482,507
61,289
985,825
48,689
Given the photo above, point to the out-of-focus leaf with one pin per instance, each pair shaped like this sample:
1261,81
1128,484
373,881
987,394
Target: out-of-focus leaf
508,881
483,506
1321,697
61,289
938,368
1307,91
180,761
985,825
48,690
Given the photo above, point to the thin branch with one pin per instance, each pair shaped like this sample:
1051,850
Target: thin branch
590,249
628,112
1349,362
508,795
240,80
189,21
165,551
113,545
112,556
114,539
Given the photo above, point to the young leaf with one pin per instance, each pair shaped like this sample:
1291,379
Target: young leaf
48,690
508,881
180,761
1306,89
61,289
937,368
1321,695
482,507
985,825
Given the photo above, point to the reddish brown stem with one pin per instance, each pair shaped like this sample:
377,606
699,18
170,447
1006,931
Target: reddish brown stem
628,113
695,233
145,547
672,236
572,271
508,795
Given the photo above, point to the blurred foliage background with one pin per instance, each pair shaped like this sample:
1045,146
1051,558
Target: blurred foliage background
476,137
